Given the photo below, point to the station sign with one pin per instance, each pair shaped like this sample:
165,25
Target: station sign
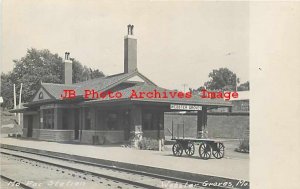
185,107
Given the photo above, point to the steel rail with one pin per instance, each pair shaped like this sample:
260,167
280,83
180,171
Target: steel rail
157,176
134,183
14,181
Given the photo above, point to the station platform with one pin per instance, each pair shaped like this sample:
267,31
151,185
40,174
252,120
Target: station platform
233,166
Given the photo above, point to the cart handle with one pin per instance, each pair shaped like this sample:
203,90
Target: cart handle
170,132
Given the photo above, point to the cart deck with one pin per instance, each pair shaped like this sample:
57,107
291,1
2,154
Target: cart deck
206,148
198,139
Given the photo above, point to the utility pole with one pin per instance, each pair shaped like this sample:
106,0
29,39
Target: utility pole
20,102
15,100
1,101
184,85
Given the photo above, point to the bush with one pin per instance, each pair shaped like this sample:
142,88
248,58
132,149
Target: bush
244,146
148,144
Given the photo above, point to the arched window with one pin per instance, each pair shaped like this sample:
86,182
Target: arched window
41,95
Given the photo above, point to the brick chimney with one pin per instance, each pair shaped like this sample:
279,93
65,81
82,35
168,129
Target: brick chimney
68,69
130,51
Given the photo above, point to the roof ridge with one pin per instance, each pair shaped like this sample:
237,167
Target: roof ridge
56,84
100,78
127,75
115,75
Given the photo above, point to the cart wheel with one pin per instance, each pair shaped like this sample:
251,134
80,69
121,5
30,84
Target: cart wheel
190,149
204,150
219,151
177,149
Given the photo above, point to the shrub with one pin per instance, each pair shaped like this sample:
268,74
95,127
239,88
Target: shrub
148,144
244,146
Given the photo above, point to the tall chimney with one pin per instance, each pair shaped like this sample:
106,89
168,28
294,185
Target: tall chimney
130,51
68,69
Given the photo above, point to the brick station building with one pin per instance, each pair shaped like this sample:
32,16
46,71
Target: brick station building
49,117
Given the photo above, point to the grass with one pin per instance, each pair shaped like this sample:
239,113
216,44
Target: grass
9,124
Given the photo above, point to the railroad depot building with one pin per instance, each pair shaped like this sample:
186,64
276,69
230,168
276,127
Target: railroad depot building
50,117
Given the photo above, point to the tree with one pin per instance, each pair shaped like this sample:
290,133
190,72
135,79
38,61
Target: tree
40,66
196,91
96,73
244,86
222,79
6,90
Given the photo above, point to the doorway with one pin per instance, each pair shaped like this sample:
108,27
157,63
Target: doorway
30,124
126,123
76,128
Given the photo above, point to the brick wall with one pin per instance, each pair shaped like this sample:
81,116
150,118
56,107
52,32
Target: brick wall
104,137
153,134
24,132
219,125
227,126
53,135
35,121
36,133
189,121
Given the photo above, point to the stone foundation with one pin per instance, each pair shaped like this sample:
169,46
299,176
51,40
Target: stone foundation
153,134
102,137
53,135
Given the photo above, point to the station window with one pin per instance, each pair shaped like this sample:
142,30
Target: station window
65,118
147,121
48,118
41,95
87,119
112,121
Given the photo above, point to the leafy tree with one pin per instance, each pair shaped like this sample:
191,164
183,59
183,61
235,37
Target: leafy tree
196,91
222,79
40,66
96,73
244,86
6,90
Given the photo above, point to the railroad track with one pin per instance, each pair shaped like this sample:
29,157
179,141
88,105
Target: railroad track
92,174
7,182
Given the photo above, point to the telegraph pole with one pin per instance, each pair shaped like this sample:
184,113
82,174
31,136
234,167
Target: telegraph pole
15,100
20,101
1,101
184,85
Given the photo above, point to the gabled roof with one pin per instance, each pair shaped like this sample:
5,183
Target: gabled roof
55,90
144,87
124,83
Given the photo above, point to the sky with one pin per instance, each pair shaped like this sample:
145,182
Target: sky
178,42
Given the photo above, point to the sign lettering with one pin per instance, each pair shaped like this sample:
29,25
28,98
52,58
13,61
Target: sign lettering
185,107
